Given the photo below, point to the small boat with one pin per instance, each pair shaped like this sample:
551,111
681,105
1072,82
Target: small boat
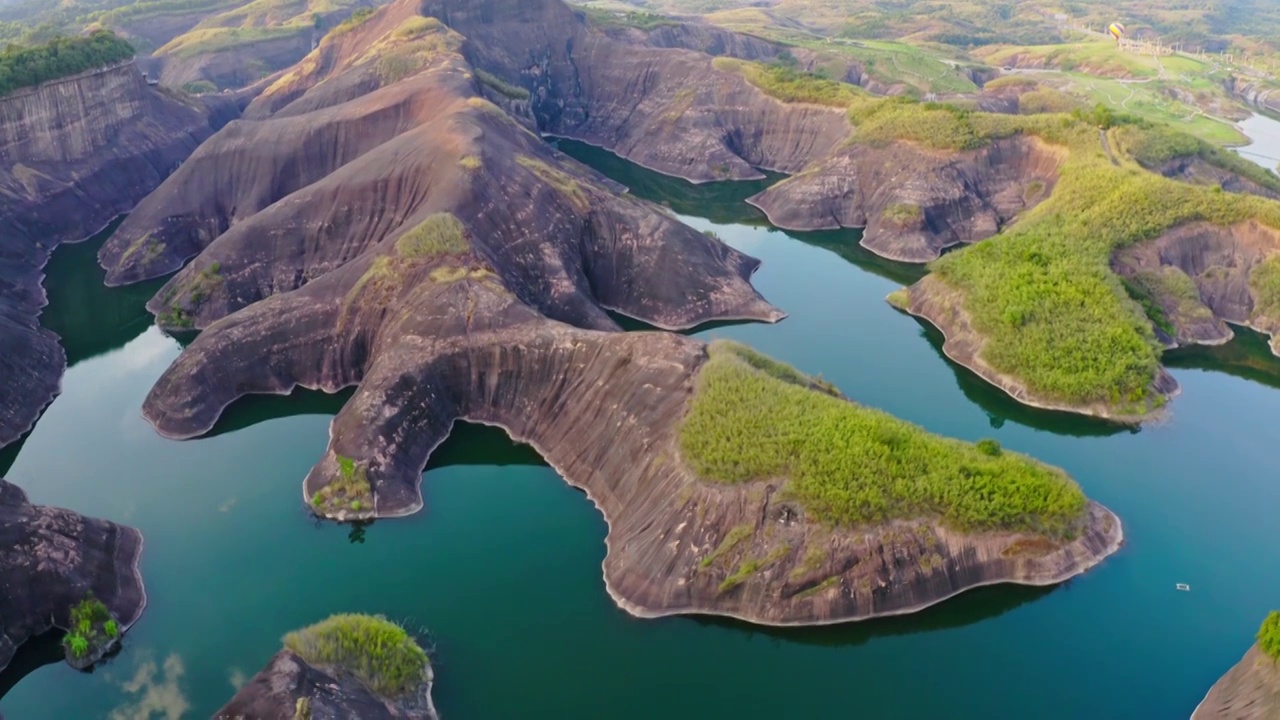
1183,587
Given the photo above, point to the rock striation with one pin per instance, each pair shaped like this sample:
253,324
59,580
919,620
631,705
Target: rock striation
51,559
74,154
1199,274
288,686
915,202
1249,691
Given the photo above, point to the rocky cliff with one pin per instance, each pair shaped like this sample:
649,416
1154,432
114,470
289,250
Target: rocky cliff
346,167
52,559
666,108
289,687
1249,691
1199,275
74,153
914,202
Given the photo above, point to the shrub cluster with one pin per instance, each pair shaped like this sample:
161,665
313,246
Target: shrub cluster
92,625
60,57
850,465
787,84
439,234
1042,293
375,650
1269,636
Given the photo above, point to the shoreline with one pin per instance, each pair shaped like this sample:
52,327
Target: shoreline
1020,394
643,612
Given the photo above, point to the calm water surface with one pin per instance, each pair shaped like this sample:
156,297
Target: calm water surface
503,566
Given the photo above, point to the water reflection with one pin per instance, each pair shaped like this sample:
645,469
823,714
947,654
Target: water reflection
967,608
89,318
1001,408
35,653
1247,356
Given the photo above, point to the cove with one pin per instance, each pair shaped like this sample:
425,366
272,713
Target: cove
503,565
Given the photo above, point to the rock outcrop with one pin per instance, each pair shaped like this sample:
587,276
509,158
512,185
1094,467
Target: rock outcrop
1199,171
915,202
1249,691
347,166
665,108
51,559
74,153
1199,275
289,687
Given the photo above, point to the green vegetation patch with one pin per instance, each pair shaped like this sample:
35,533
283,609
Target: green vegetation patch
350,490
356,20
849,465
1269,636
1264,281
902,214
92,626
731,540
562,182
221,39
1153,145
375,650
790,85
1042,293
59,58
515,92
440,234
751,566
1153,289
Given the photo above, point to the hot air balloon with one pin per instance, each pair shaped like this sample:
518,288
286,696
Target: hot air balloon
1116,30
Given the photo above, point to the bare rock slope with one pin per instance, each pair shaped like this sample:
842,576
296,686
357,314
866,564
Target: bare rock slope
74,153
288,685
1249,691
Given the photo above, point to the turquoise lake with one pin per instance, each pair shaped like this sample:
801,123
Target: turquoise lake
501,571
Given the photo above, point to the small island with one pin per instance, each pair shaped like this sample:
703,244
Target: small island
348,666
1251,689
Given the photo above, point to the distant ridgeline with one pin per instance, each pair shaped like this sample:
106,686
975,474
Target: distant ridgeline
60,57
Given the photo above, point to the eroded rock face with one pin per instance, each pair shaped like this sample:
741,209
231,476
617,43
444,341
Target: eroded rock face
649,100
1200,172
74,153
915,202
326,693
1218,262
345,167
1249,691
51,559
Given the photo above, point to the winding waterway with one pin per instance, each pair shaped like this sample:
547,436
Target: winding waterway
503,566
